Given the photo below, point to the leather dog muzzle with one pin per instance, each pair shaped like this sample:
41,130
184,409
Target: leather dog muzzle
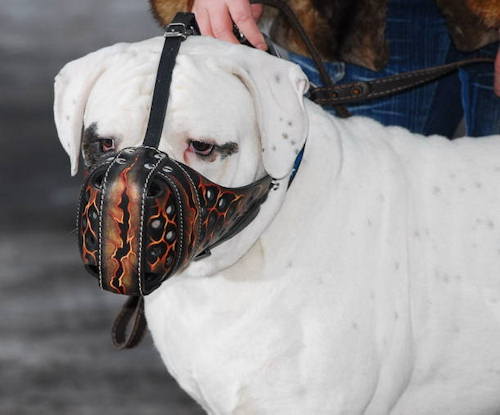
144,216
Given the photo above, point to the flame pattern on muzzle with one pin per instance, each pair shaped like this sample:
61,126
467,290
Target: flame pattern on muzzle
144,216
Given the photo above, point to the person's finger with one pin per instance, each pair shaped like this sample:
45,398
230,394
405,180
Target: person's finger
220,21
496,85
241,14
203,21
257,10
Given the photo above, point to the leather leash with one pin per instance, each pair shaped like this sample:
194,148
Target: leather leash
355,92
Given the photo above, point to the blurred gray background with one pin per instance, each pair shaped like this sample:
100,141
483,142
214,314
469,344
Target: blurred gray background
55,351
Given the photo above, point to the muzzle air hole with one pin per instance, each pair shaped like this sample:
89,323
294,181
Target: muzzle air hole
156,224
154,189
231,211
170,236
210,194
154,253
221,204
92,269
90,241
98,180
93,214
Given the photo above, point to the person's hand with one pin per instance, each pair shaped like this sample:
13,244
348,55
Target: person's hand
496,86
215,18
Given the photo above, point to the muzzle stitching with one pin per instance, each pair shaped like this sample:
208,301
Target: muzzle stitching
195,191
144,191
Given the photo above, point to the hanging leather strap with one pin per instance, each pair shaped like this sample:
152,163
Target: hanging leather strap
355,92
132,313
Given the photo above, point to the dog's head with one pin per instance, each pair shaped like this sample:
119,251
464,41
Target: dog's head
245,103
234,114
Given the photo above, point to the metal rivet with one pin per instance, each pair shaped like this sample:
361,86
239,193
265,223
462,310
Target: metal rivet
167,169
149,166
170,210
170,236
156,224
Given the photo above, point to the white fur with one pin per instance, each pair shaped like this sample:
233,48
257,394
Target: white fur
372,286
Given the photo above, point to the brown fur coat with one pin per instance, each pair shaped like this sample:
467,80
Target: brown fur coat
353,30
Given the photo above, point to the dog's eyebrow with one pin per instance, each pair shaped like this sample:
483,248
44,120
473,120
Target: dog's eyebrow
227,149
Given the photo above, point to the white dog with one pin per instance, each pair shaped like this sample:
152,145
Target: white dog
370,286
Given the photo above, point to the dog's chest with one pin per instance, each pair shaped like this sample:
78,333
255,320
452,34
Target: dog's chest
229,349
229,344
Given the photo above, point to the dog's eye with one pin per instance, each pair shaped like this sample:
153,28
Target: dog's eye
96,147
201,148
107,144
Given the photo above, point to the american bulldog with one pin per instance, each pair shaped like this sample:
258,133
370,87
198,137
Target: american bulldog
370,286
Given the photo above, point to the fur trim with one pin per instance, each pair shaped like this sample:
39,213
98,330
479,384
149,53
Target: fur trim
348,30
487,10
466,28
165,10
353,30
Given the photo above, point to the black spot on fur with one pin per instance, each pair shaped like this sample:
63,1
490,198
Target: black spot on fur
227,149
94,145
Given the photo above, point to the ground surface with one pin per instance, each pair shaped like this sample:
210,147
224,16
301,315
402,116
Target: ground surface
55,350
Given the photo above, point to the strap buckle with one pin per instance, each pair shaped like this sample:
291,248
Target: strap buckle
178,29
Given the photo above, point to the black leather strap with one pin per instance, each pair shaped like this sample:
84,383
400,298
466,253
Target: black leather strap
354,92
132,311
183,25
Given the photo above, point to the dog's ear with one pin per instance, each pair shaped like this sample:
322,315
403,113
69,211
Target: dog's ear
72,88
277,87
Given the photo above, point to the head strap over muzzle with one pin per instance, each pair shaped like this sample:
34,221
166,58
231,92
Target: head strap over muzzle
144,216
